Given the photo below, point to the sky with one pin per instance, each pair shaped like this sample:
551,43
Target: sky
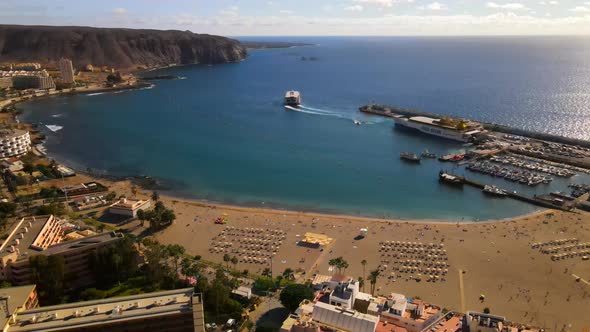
313,17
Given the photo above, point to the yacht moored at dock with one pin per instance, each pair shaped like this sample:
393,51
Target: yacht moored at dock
293,98
450,179
411,157
494,191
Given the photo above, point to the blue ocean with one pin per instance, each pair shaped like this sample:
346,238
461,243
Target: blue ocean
222,134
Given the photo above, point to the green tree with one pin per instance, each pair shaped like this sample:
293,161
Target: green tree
176,252
364,264
7,208
155,196
111,196
188,267
29,168
48,273
142,217
54,208
234,261
118,260
373,276
226,259
486,310
361,281
289,274
264,284
266,272
339,263
293,294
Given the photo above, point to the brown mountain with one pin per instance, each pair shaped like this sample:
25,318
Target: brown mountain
113,47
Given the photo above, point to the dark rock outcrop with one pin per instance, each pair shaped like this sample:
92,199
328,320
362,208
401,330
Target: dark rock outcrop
113,47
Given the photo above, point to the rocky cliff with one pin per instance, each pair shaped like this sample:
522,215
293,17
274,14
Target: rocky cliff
119,48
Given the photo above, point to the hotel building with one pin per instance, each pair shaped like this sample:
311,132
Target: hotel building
14,142
67,70
178,310
34,236
22,80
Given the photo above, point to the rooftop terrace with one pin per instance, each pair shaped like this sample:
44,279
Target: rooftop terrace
84,314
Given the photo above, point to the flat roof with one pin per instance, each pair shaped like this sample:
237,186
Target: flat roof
348,320
88,313
128,203
10,133
80,243
16,296
28,236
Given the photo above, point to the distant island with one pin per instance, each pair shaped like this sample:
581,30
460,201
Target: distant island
128,49
254,45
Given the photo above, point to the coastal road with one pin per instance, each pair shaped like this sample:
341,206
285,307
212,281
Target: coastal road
462,290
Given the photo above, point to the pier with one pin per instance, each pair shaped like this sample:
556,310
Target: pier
514,195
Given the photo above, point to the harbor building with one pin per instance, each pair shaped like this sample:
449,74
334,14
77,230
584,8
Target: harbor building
178,310
129,207
67,70
14,299
14,142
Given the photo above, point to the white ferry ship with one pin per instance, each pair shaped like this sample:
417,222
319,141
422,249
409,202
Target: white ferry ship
293,98
453,129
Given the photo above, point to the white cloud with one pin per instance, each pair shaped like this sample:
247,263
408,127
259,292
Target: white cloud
120,11
580,9
230,11
509,6
384,3
433,24
354,8
435,6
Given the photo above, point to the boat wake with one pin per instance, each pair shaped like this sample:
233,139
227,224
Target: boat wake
321,112
54,128
57,115
96,94
318,110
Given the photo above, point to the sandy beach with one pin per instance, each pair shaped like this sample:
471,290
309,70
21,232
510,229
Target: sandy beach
518,281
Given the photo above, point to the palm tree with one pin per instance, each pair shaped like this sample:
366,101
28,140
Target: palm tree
226,259
362,283
234,261
373,276
266,272
289,274
364,264
155,196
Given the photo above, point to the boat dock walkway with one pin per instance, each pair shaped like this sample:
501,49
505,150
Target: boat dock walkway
514,195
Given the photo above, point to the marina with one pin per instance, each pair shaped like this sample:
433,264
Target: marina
546,201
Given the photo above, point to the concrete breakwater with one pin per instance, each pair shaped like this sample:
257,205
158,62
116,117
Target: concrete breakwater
391,111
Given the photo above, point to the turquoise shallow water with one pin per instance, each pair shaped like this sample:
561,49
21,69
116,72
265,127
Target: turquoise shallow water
222,133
